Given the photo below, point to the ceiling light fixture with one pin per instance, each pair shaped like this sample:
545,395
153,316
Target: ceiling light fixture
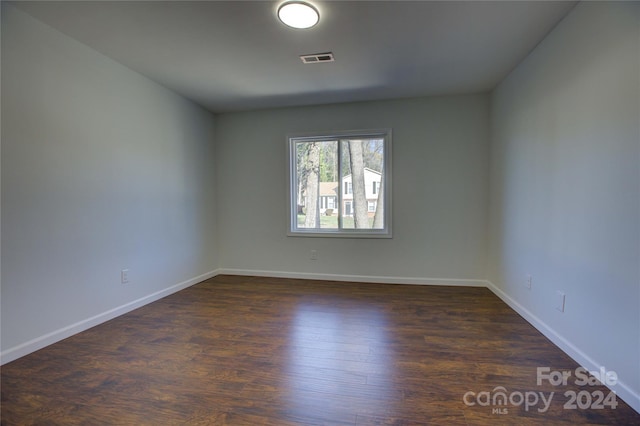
298,14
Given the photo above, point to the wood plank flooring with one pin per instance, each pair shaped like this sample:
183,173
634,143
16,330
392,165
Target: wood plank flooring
265,351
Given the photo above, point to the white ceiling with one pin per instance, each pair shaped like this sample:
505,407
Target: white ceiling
236,55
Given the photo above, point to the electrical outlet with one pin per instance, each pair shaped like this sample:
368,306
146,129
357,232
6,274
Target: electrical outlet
528,282
314,255
560,299
124,276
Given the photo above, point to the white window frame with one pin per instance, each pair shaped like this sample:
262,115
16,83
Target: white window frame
292,227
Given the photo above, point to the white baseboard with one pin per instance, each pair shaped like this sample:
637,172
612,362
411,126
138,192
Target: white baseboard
68,331
621,389
355,278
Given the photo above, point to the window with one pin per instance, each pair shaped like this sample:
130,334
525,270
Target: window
340,184
348,209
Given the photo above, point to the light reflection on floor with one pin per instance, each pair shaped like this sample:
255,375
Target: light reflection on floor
339,362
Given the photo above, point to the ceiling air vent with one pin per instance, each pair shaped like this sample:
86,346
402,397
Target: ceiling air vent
317,58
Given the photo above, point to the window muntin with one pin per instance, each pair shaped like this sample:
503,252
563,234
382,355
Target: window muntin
340,184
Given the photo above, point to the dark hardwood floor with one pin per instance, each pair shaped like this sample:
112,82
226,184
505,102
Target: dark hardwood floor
265,351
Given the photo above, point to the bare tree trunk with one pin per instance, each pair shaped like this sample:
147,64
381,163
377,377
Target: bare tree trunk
378,219
361,220
312,219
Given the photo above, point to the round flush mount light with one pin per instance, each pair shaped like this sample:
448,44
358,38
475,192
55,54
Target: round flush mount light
298,14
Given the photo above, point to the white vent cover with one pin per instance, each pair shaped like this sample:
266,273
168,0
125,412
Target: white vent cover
317,58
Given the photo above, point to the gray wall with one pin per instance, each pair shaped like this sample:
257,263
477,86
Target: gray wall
565,187
102,170
440,192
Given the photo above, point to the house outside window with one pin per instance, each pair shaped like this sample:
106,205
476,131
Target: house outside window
340,184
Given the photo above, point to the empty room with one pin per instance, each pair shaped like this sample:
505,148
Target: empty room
320,212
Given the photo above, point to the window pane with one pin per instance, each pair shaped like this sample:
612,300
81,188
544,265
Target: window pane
362,168
316,184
